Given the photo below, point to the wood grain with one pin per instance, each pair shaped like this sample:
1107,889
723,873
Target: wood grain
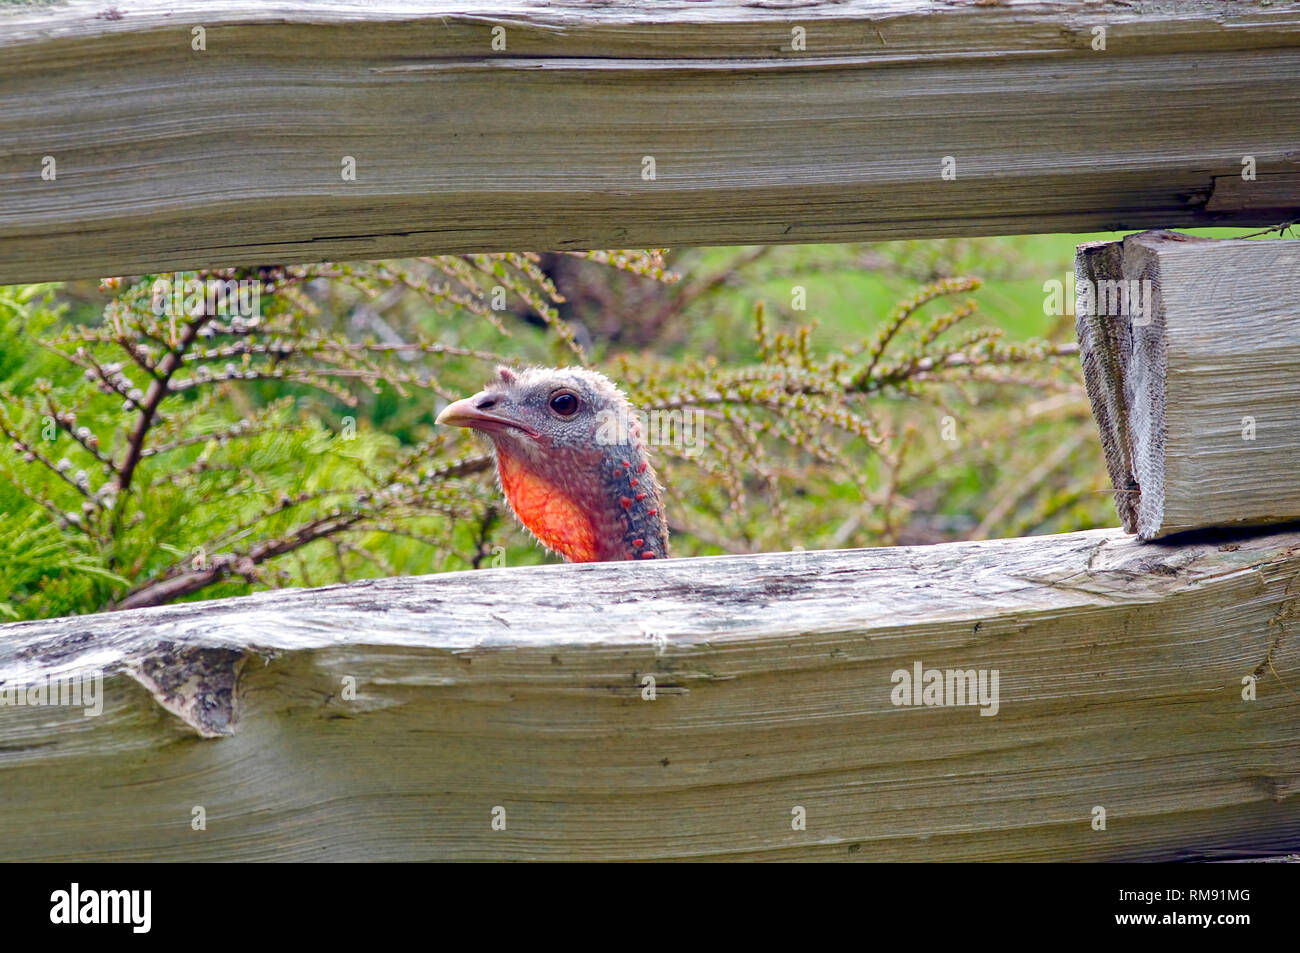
168,158
1198,402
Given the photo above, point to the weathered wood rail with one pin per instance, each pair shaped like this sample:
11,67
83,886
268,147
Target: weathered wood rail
508,713
123,149
1189,354
1122,674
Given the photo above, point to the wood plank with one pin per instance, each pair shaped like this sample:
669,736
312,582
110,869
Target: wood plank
1196,392
167,157
1120,686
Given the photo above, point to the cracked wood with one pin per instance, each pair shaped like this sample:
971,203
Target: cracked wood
1196,391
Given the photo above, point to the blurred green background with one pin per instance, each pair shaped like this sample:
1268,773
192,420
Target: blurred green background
1009,449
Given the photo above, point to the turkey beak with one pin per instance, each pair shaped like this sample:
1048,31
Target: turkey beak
474,412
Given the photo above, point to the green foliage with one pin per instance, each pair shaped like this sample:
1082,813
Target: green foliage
154,453
822,437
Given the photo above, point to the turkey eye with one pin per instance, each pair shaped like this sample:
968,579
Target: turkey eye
565,403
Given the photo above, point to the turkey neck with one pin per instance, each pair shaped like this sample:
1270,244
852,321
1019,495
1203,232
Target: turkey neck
632,487
590,506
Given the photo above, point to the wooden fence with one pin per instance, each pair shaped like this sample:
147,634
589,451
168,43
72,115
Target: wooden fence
315,131
1104,697
688,709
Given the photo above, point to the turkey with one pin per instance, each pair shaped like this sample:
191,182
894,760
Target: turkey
571,461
